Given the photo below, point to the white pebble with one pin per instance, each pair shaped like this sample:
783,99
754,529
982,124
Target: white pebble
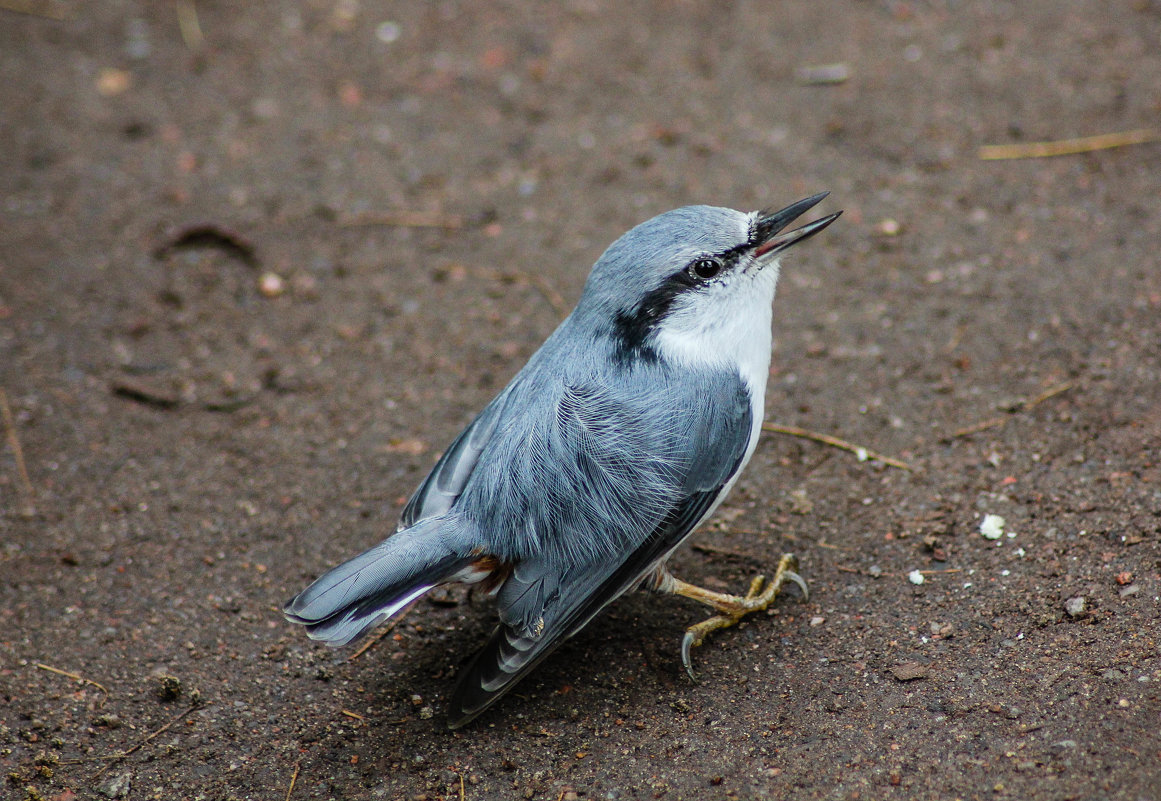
915,577
992,527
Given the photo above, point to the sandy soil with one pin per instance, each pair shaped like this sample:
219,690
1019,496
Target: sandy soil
258,267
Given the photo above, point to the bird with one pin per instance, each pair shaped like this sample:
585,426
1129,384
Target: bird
623,432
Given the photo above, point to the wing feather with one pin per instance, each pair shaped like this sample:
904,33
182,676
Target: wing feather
544,602
447,479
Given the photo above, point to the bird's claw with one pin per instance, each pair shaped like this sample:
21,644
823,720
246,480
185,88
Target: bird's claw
687,642
733,608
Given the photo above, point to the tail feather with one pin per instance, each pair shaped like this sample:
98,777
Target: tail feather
351,599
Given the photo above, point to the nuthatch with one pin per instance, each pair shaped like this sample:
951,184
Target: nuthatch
623,432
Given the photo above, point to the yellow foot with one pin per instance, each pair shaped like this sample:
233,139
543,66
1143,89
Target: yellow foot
731,608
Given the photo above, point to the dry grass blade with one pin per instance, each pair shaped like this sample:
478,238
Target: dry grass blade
1022,406
404,219
52,9
1051,392
1068,147
118,757
76,677
28,507
293,779
549,293
826,439
975,428
188,24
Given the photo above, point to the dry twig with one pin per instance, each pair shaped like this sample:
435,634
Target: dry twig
1019,406
549,293
1051,392
28,509
191,28
118,757
293,779
1067,147
975,428
537,282
826,439
404,219
52,9
76,677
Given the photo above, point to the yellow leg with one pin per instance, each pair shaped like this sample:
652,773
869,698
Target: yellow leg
730,608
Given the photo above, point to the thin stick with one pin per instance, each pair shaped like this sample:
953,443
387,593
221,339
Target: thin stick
1021,406
463,794
1067,147
76,677
983,425
35,8
827,439
1052,392
537,282
118,757
404,219
29,507
187,22
354,715
293,779
554,298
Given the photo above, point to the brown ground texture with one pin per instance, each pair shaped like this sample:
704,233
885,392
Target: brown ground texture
259,264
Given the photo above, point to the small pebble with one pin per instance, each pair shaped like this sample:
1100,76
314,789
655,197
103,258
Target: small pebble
271,285
915,577
1075,606
874,571
112,81
117,786
888,227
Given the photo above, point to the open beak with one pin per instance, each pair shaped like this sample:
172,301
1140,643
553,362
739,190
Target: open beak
768,236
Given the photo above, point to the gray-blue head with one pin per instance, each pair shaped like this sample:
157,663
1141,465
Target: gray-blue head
695,284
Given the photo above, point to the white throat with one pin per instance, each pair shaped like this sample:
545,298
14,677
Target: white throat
727,327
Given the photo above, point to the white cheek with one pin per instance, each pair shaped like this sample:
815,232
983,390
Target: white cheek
727,327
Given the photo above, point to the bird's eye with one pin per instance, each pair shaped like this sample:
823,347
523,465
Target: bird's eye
705,269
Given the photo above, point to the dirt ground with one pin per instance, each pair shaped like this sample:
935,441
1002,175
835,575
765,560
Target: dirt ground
257,267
